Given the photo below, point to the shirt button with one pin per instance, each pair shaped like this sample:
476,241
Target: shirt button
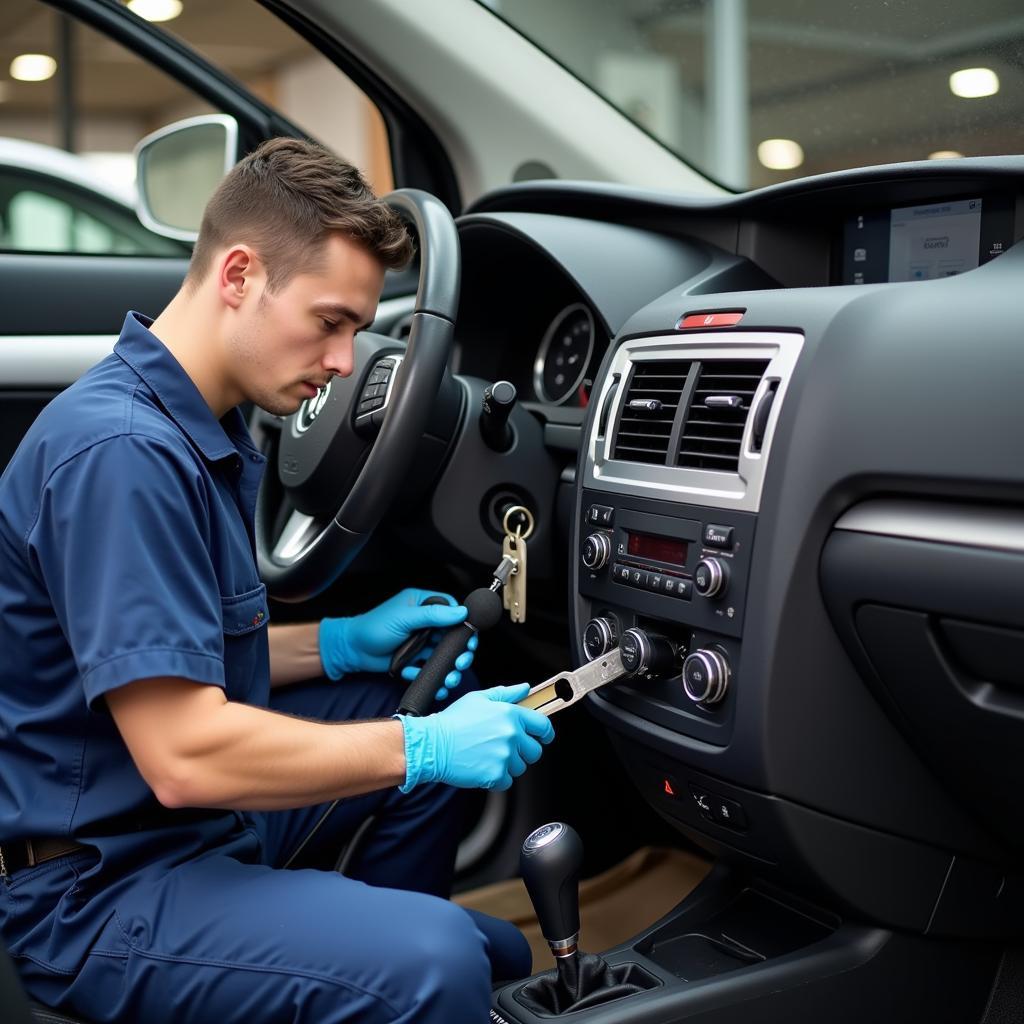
255,458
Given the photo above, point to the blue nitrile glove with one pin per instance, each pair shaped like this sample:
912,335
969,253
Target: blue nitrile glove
365,643
482,741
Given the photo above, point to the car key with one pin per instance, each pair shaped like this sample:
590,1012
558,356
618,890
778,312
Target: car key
565,689
514,546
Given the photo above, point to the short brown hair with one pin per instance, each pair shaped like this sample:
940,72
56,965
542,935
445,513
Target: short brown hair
285,198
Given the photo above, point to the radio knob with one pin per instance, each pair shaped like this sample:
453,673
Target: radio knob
711,577
597,549
706,675
599,637
647,654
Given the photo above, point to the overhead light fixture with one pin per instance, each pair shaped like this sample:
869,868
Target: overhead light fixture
944,154
155,10
973,83
780,154
33,67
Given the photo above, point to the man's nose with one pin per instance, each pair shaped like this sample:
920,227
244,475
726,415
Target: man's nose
340,359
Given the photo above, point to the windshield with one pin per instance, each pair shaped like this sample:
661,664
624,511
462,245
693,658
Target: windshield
752,92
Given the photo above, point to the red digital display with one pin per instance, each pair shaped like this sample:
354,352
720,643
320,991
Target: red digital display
659,549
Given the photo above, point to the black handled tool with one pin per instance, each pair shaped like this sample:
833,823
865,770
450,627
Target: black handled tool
413,644
484,608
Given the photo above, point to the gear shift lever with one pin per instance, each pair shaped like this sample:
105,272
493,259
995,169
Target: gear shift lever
550,865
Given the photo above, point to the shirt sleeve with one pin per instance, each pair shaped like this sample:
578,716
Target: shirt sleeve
121,542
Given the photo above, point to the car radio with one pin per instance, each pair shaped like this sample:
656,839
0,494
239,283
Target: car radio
651,572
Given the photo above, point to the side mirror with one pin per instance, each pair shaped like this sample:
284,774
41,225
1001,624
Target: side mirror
177,170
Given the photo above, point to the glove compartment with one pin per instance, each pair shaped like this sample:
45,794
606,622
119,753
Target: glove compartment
929,601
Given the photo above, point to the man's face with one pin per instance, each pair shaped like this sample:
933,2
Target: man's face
290,342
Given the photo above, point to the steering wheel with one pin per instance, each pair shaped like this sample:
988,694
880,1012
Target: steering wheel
344,455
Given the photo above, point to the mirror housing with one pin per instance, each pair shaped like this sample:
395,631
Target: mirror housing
178,168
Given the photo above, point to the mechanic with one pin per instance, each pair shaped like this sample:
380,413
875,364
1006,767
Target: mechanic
162,756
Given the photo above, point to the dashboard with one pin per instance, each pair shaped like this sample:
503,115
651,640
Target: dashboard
778,435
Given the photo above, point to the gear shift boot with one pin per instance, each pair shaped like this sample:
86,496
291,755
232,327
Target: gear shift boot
582,981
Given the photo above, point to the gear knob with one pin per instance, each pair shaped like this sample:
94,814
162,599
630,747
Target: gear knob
550,865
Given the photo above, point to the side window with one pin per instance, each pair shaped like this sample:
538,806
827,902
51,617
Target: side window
67,174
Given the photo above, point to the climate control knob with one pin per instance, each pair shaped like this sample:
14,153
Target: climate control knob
706,675
711,577
597,549
599,636
647,654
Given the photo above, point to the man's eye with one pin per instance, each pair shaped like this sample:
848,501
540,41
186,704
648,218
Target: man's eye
329,325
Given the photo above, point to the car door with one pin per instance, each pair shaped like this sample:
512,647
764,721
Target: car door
63,308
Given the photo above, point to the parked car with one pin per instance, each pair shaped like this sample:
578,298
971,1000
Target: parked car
54,202
769,441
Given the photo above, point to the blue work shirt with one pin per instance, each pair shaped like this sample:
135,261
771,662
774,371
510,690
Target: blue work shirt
127,552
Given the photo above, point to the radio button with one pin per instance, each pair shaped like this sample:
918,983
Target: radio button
600,515
638,578
620,573
597,550
684,590
711,577
655,582
718,536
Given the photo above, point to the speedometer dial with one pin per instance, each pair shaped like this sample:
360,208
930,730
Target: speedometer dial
564,354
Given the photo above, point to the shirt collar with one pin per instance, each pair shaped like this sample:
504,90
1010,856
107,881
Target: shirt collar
147,355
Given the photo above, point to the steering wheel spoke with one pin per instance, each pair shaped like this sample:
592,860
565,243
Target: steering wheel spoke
299,533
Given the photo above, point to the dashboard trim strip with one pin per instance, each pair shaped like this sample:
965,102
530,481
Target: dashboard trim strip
962,525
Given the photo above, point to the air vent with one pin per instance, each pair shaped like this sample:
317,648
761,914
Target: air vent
718,413
645,426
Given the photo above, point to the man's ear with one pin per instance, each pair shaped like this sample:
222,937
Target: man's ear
238,271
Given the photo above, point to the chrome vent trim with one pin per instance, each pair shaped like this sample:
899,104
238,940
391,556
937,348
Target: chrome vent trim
735,490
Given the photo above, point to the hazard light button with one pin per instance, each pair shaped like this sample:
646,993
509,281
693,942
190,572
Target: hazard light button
693,321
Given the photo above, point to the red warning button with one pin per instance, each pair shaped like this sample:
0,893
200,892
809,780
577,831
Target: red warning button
694,321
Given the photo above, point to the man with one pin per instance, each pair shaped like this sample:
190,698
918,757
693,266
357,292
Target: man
154,775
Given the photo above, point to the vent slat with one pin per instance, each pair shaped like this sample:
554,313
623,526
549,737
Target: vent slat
712,435
644,437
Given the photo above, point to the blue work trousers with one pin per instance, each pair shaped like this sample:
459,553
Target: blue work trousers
230,937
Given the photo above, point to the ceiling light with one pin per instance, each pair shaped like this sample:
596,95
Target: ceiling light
155,10
780,154
944,154
33,67
974,82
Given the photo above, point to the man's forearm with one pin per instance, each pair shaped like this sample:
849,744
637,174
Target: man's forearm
196,749
294,653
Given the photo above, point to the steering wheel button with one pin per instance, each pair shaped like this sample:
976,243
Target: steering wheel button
374,390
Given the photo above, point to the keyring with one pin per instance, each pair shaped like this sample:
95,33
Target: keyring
519,531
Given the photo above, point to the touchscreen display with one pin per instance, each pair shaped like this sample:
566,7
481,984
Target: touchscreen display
938,240
659,549
921,243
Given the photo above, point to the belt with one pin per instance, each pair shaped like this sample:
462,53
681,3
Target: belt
29,852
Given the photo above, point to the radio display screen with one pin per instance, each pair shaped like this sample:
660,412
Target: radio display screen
658,549
921,243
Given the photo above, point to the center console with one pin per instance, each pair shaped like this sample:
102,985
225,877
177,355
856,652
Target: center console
666,523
